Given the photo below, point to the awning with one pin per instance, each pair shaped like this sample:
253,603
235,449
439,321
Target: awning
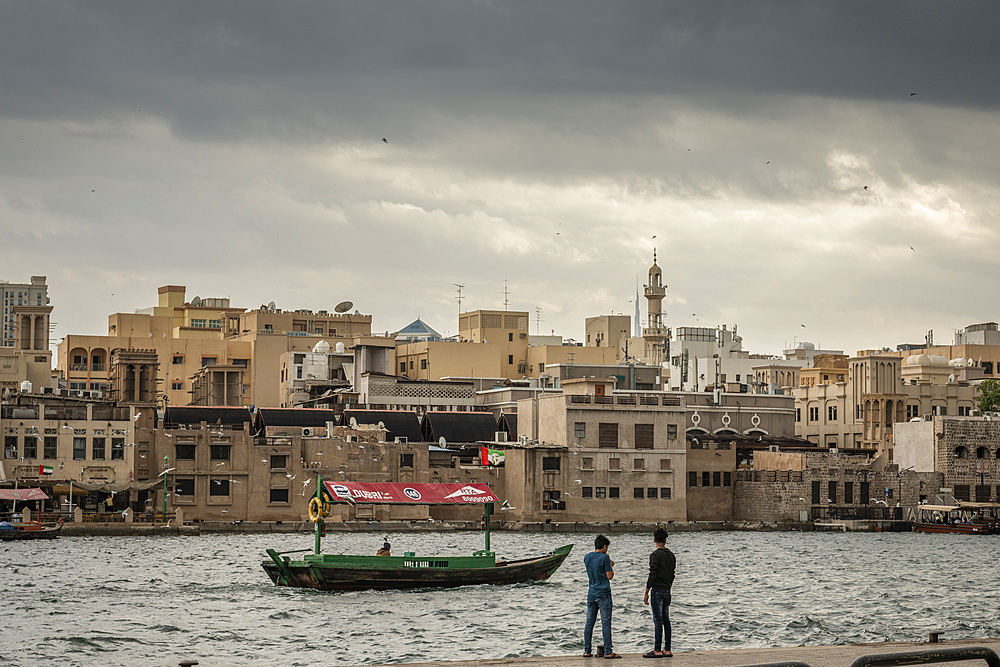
22,494
938,508
410,494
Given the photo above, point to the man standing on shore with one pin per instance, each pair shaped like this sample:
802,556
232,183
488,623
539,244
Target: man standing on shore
600,572
662,564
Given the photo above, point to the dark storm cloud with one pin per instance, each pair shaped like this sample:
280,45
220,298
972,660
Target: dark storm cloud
287,69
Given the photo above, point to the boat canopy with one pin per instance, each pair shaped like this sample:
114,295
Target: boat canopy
23,494
396,493
937,508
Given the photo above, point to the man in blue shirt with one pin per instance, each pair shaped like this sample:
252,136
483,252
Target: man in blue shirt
600,572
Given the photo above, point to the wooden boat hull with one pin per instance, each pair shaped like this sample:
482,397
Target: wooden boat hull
373,576
961,528
31,532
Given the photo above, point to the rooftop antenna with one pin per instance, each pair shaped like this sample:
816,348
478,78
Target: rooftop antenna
538,319
459,290
506,295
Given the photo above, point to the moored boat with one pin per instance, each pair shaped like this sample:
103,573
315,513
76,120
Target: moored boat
352,572
30,531
964,519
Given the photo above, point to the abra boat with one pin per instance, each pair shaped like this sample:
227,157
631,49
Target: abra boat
353,573
964,518
29,531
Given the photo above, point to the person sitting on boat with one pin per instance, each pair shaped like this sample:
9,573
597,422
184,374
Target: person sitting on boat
384,551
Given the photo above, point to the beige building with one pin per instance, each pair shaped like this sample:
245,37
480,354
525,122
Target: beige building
28,358
509,329
35,293
543,358
600,456
609,331
435,360
826,369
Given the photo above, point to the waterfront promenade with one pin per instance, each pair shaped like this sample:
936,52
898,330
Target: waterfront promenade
814,656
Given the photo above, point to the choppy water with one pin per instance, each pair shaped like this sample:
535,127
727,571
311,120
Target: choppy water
156,601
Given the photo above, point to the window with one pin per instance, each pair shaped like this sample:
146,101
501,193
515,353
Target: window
831,413
279,461
601,492
671,431
588,463
423,364
614,464
815,492
208,361
402,367
962,492
177,360
79,449
814,414
177,386
580,429
49,451
692,478
199,324
651,492
218,487
298,372
613,492
717,478
406,460
242,363
219,452
30,447
607,436
184,488
832,493
665,493
798,414
97,451
638,493
727,478
848,493
863,492
706,478
117,449
541,368
912,412
10,447
268,327
550,463
217,324
510,337
510,359
588,492
665,465
411,364
643,436
184,453
278,496
638,464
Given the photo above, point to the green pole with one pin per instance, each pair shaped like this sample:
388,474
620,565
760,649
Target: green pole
319,524
487,506
166,466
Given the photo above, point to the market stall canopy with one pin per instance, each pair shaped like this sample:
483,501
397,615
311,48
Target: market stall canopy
23,494
108,487
410,494
938,508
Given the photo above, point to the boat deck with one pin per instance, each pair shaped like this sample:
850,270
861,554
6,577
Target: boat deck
814,656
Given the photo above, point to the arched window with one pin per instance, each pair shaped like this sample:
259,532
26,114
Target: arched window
961,452
982,453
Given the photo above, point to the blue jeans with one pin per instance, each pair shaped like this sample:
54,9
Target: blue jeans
593,604
659,601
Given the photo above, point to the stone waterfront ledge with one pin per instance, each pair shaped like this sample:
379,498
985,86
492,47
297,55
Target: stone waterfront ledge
814,656
204,527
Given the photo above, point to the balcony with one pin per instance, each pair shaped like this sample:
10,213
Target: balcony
78,367
655,331
651,290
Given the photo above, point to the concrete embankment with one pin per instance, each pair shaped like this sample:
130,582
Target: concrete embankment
812,656
139,529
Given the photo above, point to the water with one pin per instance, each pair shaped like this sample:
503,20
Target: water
159,600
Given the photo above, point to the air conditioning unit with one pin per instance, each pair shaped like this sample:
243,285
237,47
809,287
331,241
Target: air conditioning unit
352,438
500,436
928,417
401,439
522,440
97,394
46,390
307,432
773,448
834,450
75,392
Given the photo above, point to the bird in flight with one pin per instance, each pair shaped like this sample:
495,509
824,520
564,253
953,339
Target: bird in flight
385,140
912,94
768,162
911,248
866,187
802,325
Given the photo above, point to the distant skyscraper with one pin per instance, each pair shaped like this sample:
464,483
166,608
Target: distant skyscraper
35,293
636,324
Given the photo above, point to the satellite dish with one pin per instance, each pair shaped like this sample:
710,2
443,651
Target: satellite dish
442,441
344,306
196,301
381,424
353,423
271,307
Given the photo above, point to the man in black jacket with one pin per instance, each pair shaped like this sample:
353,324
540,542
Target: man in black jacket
662,564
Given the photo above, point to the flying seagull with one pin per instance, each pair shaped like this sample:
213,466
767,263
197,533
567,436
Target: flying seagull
912,94
385,140
866,187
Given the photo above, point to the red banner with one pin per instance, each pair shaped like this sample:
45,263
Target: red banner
410,494
23,494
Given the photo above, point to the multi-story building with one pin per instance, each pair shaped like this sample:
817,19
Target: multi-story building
509,329
35,293
28,358
609,331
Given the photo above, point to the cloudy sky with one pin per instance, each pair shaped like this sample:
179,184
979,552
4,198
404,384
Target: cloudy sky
774,149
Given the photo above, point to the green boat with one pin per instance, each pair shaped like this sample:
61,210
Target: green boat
354,573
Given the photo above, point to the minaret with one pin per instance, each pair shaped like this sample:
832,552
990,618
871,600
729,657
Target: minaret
654,332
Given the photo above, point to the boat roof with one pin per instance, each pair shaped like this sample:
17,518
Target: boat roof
395,493
939,508
965,504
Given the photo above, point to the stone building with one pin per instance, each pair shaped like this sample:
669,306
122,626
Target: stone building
24,336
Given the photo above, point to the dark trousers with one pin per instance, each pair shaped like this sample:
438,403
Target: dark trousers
593,605
659,601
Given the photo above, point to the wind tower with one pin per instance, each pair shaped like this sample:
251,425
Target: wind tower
654,333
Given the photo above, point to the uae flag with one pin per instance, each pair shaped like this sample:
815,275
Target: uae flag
44,470
492,457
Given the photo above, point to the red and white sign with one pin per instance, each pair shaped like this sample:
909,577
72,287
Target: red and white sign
411,494
25,494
